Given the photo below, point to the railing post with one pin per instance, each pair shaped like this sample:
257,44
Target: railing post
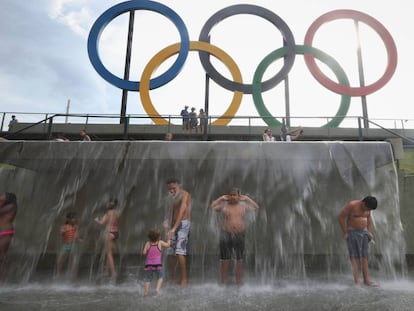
169,124
2,121
329,128
360,129
403,128
49,128
126,125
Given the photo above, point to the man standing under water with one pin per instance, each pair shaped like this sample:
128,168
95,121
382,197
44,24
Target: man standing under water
233,207
355,222
178,221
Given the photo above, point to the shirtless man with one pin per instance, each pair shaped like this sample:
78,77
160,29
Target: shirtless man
8,210
355,222
178,221
233,207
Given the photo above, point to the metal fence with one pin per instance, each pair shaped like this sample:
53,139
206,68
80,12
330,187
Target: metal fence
395,127
314,121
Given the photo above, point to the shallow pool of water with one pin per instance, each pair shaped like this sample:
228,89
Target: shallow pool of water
284,295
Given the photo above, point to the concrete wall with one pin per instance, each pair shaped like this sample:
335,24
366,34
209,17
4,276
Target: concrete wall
406,185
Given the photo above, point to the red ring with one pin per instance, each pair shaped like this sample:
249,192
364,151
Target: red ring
379,29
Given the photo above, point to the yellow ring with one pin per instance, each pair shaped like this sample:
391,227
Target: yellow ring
164,54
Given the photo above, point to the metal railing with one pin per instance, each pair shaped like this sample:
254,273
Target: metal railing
394,133
49,119
315,121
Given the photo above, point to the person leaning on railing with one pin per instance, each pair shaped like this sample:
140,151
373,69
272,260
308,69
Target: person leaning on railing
290,135
267,135
84,135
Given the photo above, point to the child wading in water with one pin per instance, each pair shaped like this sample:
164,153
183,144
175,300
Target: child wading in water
70,236
153,261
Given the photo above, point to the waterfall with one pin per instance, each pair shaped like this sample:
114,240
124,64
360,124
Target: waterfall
299,186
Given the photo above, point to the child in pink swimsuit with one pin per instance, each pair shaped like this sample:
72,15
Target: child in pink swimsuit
153,260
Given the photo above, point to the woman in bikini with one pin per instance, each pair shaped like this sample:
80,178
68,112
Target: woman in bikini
8,210
111,221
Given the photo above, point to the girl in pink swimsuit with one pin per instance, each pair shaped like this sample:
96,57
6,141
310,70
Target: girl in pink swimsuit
153,261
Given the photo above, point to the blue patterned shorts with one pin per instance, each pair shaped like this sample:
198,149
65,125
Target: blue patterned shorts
179,240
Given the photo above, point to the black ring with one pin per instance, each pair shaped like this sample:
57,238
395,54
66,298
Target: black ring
253,10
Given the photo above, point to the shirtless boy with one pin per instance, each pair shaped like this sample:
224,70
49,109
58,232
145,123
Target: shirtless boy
355,222
178,221
233,207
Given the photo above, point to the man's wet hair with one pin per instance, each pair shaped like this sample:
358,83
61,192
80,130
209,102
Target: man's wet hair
173,180
71,215
11,198
235,189
113,202
370,202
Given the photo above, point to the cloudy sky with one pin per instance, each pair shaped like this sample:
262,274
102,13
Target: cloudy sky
44,59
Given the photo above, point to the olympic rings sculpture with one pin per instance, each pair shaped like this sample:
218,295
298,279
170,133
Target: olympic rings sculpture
288,52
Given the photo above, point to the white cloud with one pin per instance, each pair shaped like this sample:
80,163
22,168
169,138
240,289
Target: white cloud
73,13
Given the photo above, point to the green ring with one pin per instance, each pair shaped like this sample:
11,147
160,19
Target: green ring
299,49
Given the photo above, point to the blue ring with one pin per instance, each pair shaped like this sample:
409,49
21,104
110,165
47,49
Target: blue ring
127,6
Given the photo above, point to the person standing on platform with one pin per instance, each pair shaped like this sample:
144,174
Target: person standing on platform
12,121
193,119
186,119
203,120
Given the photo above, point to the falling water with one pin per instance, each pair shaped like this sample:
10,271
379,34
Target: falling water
300,188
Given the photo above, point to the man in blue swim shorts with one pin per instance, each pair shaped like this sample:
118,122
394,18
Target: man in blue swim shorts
355,222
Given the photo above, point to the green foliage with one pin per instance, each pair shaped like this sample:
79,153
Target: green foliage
407,164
